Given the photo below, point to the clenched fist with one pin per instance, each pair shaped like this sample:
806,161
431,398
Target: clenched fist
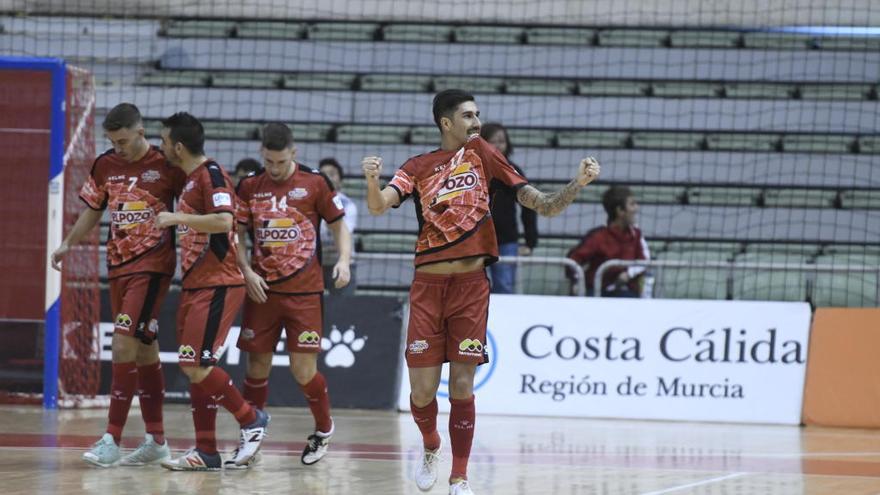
588,171
372,166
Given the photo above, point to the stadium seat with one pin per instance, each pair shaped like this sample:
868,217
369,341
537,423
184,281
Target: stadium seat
800,198
777,41
722,250
482,85
686,89
728,196
341,82
231,130
418,33
613,88
531,137
849,43
246,80
770,285
372,134
560,36
592,139
835,91
806,249
310,132
668,140
869,144
840,289
823,143
540,86
860,199
658,194
395,82
425,135
271,30
342,31
177,28
489,34
691,282
175,78
759,90
743,142
382,242
542,279
633,37
704,39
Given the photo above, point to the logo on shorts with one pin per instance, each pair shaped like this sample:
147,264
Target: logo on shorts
186,353
309,338
123,320
418,346
470,347
248,333
206,355
341,347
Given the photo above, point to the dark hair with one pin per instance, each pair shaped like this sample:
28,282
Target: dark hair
489,130
248,165
615,197
124,115
445,103
333,163
277,137
185,129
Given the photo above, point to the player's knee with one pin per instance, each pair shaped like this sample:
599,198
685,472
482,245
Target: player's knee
303,373
147,354
125,348
259,365
461,387
195,373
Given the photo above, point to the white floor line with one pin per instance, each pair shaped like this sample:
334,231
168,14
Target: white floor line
698,483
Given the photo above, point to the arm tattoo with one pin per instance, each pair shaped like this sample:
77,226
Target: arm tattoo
548,205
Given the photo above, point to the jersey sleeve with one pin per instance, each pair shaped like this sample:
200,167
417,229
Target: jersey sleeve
243,203
93,193
329,204
403,182
217,191
499,168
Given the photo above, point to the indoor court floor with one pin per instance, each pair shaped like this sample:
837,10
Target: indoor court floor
376,452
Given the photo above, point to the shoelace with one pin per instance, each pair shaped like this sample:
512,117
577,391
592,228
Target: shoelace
314,442
430,458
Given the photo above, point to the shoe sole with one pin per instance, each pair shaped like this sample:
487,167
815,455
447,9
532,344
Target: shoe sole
97,463
141,464
313,462
179,469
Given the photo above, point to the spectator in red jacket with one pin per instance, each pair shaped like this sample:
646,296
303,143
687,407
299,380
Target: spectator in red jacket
619,239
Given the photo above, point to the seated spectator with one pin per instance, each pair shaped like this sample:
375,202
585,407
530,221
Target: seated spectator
503,208
619,239
244,168
331,168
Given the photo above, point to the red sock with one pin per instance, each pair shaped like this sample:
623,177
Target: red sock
426,420
461,433
121,392
256,391
151,391
204,412
319,402
219,386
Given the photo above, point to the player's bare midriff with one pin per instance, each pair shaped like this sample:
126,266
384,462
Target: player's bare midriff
464,265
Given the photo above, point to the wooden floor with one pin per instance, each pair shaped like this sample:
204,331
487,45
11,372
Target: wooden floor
376,452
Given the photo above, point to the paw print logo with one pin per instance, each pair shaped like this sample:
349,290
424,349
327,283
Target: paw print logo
341,346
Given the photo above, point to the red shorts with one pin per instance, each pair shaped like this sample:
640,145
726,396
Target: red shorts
447,319
300,315
203,322
135,301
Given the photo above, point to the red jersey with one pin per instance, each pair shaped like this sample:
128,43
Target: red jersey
451,194
208,260
136,193
606,243
285,220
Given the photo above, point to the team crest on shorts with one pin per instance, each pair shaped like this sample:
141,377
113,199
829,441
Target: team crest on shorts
248,334
186,354
309,338
418,346
470,347
123,320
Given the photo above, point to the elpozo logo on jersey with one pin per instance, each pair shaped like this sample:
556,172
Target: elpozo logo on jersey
131,214
278,232
462,179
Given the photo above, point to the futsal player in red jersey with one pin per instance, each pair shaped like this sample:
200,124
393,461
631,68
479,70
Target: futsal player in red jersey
282,207
449,297
135,181
213,292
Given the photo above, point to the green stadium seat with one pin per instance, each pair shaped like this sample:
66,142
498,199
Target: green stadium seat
691,282
429,135
381,242
770,285
723,196
655,194
835,91
396,82
705,39
342,31
481,85
743,142
343,82
531,137
563,244
842,289
805,249
668,140
175,78
871,44
777,41
418,33
540,86
864,199
231,130
489,34
800,198
592,139
550,250
657,247
613,88
686,89
822,143
542,279
560,36
176,28
717,250
310,132
271,30
869,144
246,80
372,134
633,37
759,90
858,249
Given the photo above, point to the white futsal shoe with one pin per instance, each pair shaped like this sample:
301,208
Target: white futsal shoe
460,487
426,473
148,452
317,445
104,453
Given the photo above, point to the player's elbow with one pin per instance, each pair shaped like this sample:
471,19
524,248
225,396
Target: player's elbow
377,210
225,222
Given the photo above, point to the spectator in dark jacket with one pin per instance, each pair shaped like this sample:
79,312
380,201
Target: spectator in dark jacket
619,239
504,207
